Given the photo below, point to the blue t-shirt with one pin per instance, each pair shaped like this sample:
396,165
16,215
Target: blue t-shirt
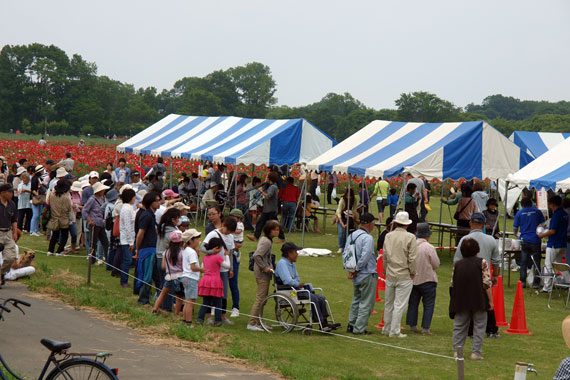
393,199
558,222
527,220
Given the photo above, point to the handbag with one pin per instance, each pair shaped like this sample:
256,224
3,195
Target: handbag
39,199
52,224
116,227
457,213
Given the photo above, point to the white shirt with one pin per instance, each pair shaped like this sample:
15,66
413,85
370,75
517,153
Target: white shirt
127,224
189,257
158,214
228,240
239,237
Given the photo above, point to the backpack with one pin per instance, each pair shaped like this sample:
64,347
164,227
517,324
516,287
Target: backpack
109,222
349,260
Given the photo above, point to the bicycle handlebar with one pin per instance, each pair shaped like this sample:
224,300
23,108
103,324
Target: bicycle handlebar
15,302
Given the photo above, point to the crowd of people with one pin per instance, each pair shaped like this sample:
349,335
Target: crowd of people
128,218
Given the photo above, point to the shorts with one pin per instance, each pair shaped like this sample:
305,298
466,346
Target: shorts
190,287
382,203
176,286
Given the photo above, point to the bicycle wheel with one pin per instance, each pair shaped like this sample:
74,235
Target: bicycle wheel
81,369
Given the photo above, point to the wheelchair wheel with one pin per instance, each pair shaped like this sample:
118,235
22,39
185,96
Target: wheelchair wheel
286,313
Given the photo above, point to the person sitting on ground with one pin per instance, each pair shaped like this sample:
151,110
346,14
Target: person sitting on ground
286,277
471,297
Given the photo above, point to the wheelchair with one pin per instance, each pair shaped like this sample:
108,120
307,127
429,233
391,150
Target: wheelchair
292,309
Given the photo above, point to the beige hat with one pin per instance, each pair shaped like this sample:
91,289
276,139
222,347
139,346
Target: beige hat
99,187
189,234
76,186
565,327
84,184
181,206
93,174
125,187
403,218
60,173
39,168
20,170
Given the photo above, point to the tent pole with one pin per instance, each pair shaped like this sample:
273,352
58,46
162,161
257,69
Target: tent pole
504,225
235,182
304,208
348,209
171,172
439,241
140,166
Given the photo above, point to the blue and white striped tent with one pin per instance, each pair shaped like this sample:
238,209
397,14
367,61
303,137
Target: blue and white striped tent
551,170
537,143
434,150
229,139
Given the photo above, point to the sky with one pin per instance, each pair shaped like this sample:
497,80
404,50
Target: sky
376,50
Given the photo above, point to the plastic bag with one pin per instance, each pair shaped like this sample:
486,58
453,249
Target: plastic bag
333,194
318,191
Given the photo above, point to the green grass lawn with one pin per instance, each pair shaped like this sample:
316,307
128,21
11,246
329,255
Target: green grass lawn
316,357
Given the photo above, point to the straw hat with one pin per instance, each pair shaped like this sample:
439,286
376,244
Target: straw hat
99,187
20,170
39,168
125,187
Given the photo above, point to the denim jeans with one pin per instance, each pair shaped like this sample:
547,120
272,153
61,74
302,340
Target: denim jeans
87,232
111,255
35,223
426,293
263,218
127,258
73,232
288,216
234,285
528,250
341,236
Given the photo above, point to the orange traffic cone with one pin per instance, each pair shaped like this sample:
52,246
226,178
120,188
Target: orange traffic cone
381,324
380,271
518,318
499,302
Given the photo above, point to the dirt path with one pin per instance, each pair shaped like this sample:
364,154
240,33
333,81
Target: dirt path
136,359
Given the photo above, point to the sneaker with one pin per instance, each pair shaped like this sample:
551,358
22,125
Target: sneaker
349,328
253,328
494,335
35,234
475,356
235,313
426,332
210,321
99,262
365,332
199,322
50,254
326,329
188,324
60,254
400,335
340,250
415,329
218,324
226,321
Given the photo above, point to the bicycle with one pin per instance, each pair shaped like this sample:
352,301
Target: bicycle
67,365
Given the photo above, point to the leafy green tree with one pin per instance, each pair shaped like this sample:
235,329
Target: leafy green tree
423,106
255,87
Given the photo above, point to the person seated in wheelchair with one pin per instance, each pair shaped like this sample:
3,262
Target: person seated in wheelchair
286,277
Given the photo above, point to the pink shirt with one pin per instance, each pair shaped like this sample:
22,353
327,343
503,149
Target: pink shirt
426,263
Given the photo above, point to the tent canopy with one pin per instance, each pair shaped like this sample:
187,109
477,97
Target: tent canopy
229,139
537,143
551,170
434,150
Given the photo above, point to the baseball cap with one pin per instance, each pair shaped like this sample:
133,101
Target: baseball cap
93,174
290,246
180,206
367,218
184,221
190,234
478,218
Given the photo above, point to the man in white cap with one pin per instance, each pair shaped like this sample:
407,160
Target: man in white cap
400,251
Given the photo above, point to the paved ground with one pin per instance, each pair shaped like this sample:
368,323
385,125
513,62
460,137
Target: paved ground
20,344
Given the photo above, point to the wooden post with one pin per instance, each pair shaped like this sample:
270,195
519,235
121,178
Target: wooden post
460,362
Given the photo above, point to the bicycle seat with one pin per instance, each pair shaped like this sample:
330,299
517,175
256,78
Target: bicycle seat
55,346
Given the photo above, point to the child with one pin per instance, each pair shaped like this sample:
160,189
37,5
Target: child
491,218
364,196
238,242
393,202
229,226
255,200
172,263
210,286
184,223
191,273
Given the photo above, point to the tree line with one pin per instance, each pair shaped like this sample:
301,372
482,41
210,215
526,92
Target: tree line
43,89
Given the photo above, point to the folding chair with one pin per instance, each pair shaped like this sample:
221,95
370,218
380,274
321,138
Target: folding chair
560,281
541,272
